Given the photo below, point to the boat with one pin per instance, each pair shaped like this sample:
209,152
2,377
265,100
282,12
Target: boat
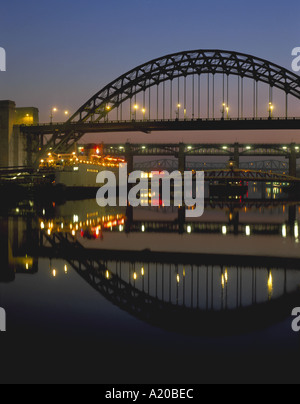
75,172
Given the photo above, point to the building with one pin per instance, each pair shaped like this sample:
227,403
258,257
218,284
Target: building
15,149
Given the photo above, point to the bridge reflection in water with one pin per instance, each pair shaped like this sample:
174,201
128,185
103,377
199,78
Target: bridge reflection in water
197,294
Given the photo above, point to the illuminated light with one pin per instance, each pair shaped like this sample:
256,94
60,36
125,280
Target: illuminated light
189,229
107,275
135,276
224,230
248,147
121,228
73,233
284,148
296,230
143,229
136,107
178,278
248,231
42,161
270,285
42,225
76,168
223,281
143,271
225,147
284,231
54,273
27,266
62,226
49,232
66,269
226,276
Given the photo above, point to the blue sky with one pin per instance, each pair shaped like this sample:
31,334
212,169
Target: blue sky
62,52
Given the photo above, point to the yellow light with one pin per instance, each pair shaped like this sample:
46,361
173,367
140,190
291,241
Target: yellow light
270,284
107,274
54,273
42,225
226,275
136,107
223,281
143,271
66,112
135,276
27,266
54,109
66,269
178,278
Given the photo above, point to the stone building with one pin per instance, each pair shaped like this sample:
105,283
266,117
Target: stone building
14,147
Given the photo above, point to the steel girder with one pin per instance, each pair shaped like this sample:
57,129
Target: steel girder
168,68
182,65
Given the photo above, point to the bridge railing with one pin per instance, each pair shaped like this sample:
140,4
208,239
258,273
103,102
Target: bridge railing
165,120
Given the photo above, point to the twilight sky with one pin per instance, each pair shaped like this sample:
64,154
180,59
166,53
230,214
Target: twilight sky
60,53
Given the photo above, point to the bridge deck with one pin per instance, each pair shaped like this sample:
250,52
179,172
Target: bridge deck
166,125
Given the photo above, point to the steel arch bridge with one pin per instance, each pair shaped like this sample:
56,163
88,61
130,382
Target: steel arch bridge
93,115
185,64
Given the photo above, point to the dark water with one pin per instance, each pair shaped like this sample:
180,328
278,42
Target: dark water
142,296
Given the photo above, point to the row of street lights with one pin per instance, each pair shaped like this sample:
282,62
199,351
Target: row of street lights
54,111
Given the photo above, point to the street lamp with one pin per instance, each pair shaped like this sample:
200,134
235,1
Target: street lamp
144,113
223,110
136,107
271,109
52,112
178,111
227,110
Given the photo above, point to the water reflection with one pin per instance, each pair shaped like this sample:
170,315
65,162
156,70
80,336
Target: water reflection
199,292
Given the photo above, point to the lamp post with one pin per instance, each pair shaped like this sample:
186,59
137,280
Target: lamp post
144,113
53,110
136,107
223,110
271,109
177,112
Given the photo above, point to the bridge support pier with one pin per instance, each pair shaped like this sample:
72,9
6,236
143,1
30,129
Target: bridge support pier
129,157
236,156
181,158
293,161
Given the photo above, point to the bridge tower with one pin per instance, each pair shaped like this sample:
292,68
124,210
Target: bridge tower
16,149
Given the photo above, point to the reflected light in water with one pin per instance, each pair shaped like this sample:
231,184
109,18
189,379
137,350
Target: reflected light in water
248,231
284,232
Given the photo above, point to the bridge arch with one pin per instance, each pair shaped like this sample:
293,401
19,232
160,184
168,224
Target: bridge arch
185,64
